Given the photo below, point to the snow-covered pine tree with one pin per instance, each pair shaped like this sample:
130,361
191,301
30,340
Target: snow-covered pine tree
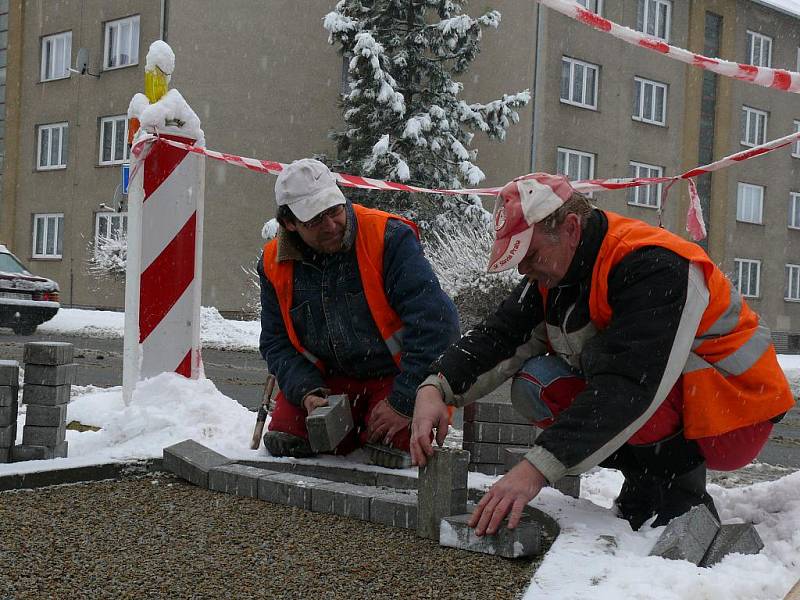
404,119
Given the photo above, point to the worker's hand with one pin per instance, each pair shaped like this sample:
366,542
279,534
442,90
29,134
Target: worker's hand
511,493
430,412
385,422
310,402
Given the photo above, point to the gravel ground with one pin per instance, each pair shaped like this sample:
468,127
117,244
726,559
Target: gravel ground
160,537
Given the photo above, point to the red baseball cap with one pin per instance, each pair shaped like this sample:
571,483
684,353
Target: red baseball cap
521,204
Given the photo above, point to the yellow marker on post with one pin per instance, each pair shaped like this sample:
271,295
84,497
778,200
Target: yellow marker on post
155,84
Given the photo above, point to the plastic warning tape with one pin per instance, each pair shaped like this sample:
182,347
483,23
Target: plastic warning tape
779,79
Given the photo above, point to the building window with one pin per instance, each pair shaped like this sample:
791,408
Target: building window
746,276
52,146
792,283
596,6
653,18
794,210
579,83
110,226
759,49
48,231
576,165
749,203
649,101
648,195
796,145
113,140
754,126
56,56
122,43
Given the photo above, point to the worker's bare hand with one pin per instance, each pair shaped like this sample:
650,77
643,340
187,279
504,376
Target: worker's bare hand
385,422
430,412
510,494
310,402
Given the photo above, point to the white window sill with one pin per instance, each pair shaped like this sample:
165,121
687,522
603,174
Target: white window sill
579,104
649,122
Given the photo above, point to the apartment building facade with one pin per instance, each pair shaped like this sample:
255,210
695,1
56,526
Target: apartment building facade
265,83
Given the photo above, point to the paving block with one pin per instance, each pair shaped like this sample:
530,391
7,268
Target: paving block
48,353
344,499
289,489
46,395
239,480
328,425
741,538
687,537
524,540
569,485
487,468
9,373
50,374
34,435
8,435
192,461
46,416
397,481
512,455
395,509
491,411
442,489
480,452
8,414
386,456
9,394
506,413
500,433
5,455
23,452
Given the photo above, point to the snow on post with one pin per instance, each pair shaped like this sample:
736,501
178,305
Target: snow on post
165,231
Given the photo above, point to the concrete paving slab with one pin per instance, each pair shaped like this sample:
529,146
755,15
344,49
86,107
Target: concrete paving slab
34,435
50,374
236,479
289,489
8,435
9,395
46,395
741,538
522,541
500,433
9,373
192,461
344,499
48,353
328,425
687,537
395,509
46,416
442,489
8,414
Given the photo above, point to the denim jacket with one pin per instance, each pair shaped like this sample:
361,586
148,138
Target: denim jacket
333,321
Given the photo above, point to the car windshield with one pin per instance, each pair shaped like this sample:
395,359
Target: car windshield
10,264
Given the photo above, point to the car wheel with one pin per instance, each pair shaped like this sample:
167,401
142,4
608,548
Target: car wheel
25,328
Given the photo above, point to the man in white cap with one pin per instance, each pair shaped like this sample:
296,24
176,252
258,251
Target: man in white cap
349,305
626,344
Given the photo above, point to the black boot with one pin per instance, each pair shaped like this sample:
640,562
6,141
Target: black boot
279,443
640,496
682,493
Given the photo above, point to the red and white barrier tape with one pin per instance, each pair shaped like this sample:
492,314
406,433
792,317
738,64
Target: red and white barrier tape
780,79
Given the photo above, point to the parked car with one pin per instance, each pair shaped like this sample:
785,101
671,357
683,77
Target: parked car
26,300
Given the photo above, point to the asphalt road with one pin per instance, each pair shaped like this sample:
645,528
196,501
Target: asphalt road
240,375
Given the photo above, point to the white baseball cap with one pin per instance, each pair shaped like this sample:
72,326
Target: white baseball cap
521,204
307,187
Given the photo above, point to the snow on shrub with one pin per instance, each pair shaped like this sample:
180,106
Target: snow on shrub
109,256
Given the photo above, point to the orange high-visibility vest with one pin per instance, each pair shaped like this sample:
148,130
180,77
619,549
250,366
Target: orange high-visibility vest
732,378
370,229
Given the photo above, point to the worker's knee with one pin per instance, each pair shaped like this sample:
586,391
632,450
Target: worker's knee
543,387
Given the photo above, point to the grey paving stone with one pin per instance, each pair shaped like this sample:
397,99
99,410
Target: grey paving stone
9,394
500,433
523,540
344,499
442,489
487,468
687,537
23,452
8,435
239,480
741,538
506,413
328,425
48,353
50,374
482,410
192,461
569,485
46,395
46,416
5,455
386,456
395,509
34,435
512,455
60,450
289,489
8,414
9,373
398,481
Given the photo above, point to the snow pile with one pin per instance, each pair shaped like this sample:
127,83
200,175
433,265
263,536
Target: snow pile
160,55
222,334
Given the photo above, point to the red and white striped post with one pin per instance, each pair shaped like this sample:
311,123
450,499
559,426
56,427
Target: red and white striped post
165,241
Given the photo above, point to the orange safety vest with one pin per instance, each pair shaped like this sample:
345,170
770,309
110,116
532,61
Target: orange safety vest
732,378
369,243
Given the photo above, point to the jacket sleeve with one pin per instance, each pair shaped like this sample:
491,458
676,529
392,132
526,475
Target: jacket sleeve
657,300
295,374
492,352
430,319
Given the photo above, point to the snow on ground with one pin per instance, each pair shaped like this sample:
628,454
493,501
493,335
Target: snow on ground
596,555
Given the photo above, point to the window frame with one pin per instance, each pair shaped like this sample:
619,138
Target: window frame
43,65
643,8
744,127
751,37
634,193
108,216
740,213
792,268
738,264
114,120
63,149
598,9
58,242
580,154
639,84
796,145
117,24
586,66
794,211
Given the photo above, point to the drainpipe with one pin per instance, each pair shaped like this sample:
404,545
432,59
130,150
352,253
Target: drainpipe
537,83
162,26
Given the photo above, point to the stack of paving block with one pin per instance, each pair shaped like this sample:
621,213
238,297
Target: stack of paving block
49,375
9,389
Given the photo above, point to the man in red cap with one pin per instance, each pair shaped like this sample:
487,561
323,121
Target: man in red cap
626,344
